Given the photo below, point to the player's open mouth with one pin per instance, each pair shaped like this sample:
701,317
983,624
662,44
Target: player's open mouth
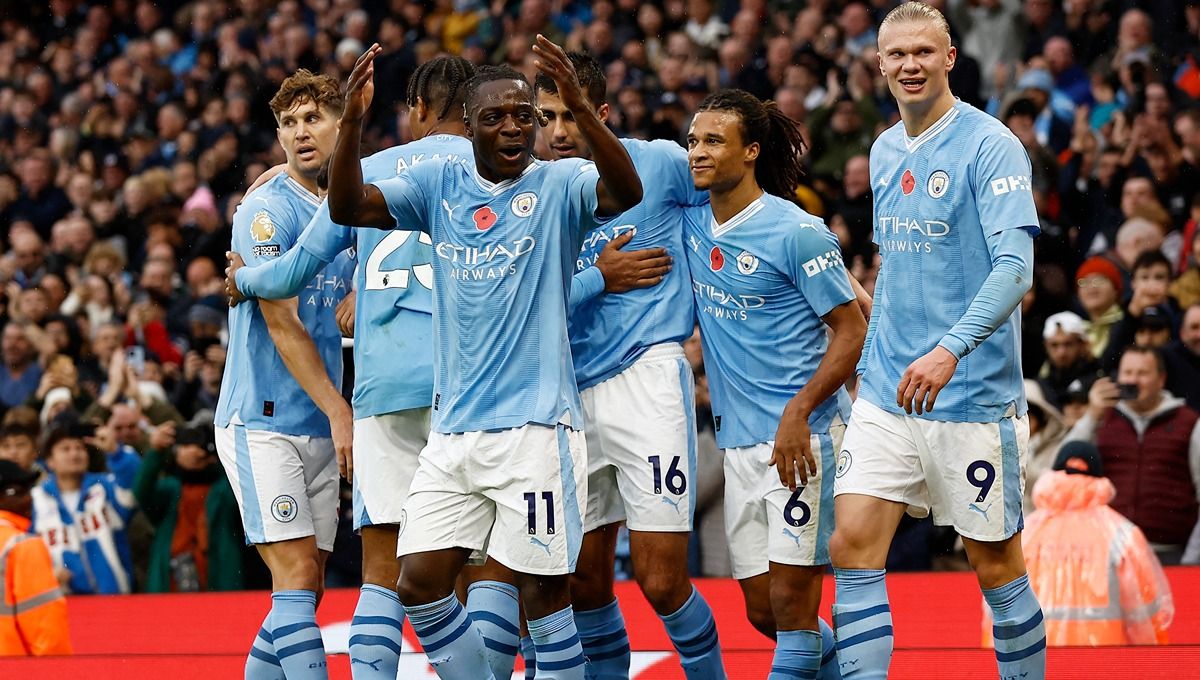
306,152
912,84
511,154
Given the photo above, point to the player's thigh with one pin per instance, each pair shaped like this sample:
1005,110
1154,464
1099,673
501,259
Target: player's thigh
443,510
592,580
386,450
975,475
266,471
536,476
650,436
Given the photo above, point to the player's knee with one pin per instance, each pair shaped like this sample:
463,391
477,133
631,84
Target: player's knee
590,590
850,546
420,586
380,570
761,617
665,589
297,572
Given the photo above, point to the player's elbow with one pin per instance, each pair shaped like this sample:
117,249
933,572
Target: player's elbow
341,210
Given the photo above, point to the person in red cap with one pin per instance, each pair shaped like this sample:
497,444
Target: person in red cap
1096,576
1099,285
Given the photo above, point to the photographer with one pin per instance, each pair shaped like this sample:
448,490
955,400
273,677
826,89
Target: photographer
183,491
1150,446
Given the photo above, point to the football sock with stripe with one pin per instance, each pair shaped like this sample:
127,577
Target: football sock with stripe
694,634
296,636
797,655
605,642
1018,630
375,634
529,654
559,654
863,621
453,646
262,664
829,659
496,613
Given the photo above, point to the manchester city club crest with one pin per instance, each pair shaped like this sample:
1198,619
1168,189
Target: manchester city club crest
283,508
747,263
938,183
844,460
523,204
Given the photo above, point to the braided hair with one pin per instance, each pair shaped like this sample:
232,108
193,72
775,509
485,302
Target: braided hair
778,169
441,84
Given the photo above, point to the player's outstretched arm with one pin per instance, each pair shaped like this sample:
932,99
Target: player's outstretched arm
303,361
278,279
619,188
793,452
351,202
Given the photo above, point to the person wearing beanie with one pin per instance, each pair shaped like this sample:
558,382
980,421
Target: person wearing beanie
1099,286
1077,546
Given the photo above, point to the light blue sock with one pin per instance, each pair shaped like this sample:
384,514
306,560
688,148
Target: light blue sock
452,645
797,655
605,642
559,654
297,637
694,634
261,663
496,612
530,655
829,659
1018,630
863,622
375,634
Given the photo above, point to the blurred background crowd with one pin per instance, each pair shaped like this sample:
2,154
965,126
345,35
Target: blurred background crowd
130,129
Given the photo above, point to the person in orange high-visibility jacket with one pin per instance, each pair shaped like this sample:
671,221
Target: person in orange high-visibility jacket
33,612
1095,574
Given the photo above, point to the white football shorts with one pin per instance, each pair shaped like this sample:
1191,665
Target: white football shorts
386,449
523,487
286,485
765,521
641,444
971,475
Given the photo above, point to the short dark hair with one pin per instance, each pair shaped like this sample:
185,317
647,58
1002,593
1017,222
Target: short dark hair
1159,360
1149,259
590,74
489,74
441,84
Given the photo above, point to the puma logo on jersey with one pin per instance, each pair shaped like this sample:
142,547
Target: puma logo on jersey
449,210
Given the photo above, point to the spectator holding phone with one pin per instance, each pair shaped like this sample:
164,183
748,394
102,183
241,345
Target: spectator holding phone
1149,442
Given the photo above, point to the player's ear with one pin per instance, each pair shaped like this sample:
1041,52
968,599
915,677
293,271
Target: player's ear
603,112
752,151
951,57
422,109
467,124
879,60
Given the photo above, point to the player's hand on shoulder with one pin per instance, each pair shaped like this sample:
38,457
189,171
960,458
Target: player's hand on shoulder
924,379
792,456
625,270
345,315
234,263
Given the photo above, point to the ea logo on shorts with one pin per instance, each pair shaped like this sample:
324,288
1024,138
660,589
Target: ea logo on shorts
522,204
938,183
283,508
844,461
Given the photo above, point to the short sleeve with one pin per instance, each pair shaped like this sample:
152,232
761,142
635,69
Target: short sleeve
322,238
1003,185
407,195
261,231
581,197
815,265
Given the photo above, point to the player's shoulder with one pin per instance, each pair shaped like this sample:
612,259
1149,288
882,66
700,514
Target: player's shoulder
663,149
785,221
984,130
566,168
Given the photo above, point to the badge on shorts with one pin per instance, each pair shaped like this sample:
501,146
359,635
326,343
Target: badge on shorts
283,508
844,461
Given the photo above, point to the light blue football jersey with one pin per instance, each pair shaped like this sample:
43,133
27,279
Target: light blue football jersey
393,337
937,198
257,388
762,281
609,332
504,254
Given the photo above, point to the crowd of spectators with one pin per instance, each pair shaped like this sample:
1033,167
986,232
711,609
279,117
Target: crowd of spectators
129,130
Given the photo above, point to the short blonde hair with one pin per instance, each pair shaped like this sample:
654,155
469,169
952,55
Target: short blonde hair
919,12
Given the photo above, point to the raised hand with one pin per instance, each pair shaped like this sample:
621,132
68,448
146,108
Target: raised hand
360,89
552,60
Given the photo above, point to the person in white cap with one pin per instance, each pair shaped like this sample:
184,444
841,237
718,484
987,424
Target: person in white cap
1068,356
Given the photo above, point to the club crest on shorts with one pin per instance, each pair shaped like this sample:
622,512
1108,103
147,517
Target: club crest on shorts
283,508
523,204
938,183
844,461
747,263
